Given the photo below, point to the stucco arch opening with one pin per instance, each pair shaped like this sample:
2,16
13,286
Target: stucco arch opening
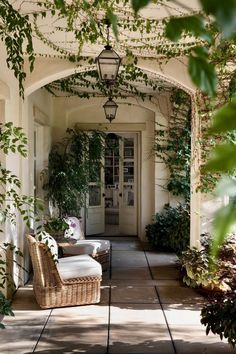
174,72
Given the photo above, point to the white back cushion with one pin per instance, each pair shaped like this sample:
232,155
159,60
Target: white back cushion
46,238
75,230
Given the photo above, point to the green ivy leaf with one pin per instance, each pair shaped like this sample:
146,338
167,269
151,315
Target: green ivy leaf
60,5
203,74
224,219
226,186
222,159
224,120
139,4
189,24
113,20
224,13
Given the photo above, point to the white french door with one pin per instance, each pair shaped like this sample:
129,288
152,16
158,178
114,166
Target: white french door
114,200
95,213
128,186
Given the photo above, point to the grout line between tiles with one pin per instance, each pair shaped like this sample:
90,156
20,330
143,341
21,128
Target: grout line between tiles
41,333
162,308
109,304
109,322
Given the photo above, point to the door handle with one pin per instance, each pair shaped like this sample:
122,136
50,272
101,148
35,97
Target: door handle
120,194
103,194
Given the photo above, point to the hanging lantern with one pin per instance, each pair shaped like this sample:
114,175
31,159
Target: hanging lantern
110,108
108,62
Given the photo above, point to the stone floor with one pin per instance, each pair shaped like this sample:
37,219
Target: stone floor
144,309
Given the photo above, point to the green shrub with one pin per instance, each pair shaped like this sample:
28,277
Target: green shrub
219,317
195,264
170,230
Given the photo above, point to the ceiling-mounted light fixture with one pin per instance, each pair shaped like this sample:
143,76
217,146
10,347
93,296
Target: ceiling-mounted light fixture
108,62
110,108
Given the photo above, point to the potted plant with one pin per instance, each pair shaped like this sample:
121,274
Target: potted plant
56,227
73,164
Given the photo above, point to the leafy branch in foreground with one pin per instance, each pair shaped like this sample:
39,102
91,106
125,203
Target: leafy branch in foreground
15,30
13,140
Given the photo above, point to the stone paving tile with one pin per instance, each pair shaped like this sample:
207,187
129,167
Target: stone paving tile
22,331
160,259
138,329
95,315
125,244
80,329
136,314
141,273
192,339
128,259
140,340
179,314
179,295
134,294
165,273
70,338
105,294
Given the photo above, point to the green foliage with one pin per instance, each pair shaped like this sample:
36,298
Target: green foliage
6,278
218,160
173,144
203,74
73,164
87,85
196,265
139,4
15,29
170,229
56,225
224,119
223,222
5,308
224,13
13,140
194,25
219,318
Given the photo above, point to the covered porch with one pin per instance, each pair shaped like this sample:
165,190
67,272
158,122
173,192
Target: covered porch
144,308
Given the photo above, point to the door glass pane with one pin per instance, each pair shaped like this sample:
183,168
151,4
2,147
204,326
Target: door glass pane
128,193
128,148
94,195
128,170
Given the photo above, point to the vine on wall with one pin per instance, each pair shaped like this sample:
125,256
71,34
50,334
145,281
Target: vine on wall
131,82
15,29
173,144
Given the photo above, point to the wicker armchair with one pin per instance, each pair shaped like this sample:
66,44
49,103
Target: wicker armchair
67,282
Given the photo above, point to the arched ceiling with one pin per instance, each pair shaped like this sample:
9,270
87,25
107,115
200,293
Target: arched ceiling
82,36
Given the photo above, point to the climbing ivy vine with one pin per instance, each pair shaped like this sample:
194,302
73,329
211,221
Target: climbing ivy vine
131,82
16,33
173,144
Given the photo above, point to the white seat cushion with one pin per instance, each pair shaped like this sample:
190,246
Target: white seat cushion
92,247
78,266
